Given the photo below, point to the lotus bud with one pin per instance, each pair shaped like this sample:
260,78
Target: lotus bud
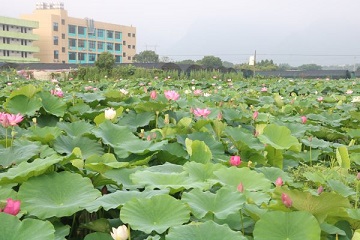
235,160
110,114
279,182
120,233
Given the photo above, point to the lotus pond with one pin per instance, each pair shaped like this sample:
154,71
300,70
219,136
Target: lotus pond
180,159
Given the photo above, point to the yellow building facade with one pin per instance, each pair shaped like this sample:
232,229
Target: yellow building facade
64,39
17,40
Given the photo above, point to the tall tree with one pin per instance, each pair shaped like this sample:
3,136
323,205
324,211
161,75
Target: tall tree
105,61
211,62
147,56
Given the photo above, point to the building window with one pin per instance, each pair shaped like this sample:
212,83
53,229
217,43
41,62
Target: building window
100,45
92,44
72,42
81,56
109,46
133,46
72,56
100,33
56,54
124,43
117,47
81,43
63,49
109,34
24,54
129,58
55,26
133,35
92,57
124,54
118,59
63,36
72,29
62,21
117,35
56,40
81,30
129,34
129,46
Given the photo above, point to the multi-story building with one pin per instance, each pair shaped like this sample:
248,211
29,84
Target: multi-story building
66,39
16,40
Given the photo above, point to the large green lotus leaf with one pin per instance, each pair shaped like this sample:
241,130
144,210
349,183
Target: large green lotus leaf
88,147
157,213
320,206
44,134
90,97
279,137
297,130
122,177
80,108
134,120
342,157
52,104
340,188
221,204
251,180
61,230
27,90
25,170
98,236
331,229
76,129
22,150
23,104
287,225
56,194
119,198
161,180
202,172
12,228
272,173
123,140
103,163
198,151
243,139
203,231
314,142
147,106
354,133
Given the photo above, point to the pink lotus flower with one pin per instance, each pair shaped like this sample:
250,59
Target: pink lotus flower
320,99
12,207
264,89
14,119
235,160
240,187
320,190
57,92
286,200
153,94
279,182
171,95
255,115
197,92
303,119
198,112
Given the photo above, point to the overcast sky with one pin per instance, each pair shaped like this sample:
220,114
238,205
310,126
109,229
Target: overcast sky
288,31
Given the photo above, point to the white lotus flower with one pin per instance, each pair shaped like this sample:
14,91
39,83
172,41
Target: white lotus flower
356,99
110,113
120,233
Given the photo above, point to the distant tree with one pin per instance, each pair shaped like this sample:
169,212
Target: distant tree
358,68
105,62
307,67
228,64
186,61
266,65
284,67
211,62
147,56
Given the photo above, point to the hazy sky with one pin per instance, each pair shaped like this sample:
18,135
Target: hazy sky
288,31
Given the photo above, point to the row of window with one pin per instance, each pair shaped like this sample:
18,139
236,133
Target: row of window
12,40
78,56
100,33
131,34
93,44
6,53
8,27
